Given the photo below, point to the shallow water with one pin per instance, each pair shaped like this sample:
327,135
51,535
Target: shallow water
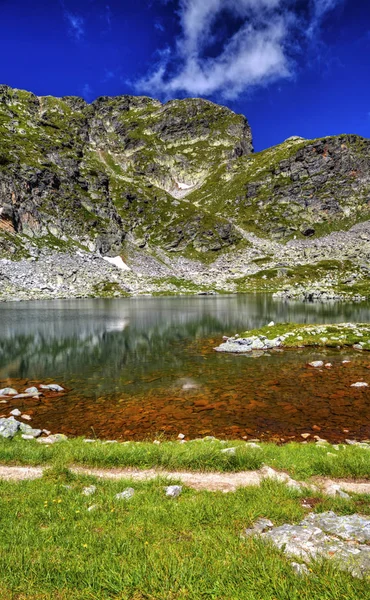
143,366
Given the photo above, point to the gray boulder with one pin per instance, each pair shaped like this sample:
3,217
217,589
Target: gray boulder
8,427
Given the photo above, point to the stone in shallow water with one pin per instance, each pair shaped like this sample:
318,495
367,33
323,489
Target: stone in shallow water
29,431
31,390
316,364
16,412
8,427
8,392
360,384
326,535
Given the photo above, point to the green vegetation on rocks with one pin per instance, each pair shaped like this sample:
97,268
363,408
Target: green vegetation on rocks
177,189
293,335
300,460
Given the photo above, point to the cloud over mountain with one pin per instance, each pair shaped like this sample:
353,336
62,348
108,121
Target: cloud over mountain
229,46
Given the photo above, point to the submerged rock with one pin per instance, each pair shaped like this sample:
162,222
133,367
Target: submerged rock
29,431
53,387
8,392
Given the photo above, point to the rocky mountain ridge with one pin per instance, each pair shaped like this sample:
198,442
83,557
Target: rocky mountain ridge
176,191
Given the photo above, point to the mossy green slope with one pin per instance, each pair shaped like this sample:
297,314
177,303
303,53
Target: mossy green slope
180,176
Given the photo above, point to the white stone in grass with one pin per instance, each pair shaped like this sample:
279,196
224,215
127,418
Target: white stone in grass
172,491
156,442
181,436
271,324
228,451
253,445
53,439
335,490
88,441
92,507
110,442
360,384
316,364
16,412
126,494
300,569
89,490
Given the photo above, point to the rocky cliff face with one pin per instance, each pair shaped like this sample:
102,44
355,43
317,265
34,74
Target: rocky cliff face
176,190
73,173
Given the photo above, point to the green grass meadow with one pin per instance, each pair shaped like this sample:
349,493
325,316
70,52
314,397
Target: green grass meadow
300,460
153,547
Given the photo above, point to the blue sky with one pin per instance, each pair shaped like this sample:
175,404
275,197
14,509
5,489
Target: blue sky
293,67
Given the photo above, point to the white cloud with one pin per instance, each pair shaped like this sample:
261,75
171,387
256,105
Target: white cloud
257,52
76,25
319,10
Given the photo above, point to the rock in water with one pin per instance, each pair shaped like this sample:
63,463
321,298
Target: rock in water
53,387
16,412
8,392
29,431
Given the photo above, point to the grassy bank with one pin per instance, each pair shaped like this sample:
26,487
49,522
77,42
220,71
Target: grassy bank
155,548
294,335
300,460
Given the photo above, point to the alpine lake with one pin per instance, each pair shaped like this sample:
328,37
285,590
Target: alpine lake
143,368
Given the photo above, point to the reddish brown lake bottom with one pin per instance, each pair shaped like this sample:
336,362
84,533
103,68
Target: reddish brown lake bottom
275,397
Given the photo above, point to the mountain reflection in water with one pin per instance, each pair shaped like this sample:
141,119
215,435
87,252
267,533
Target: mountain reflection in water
112,353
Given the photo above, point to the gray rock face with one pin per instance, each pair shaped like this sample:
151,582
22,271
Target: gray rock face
129,175
336,538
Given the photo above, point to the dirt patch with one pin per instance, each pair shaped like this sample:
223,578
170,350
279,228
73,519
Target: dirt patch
213,482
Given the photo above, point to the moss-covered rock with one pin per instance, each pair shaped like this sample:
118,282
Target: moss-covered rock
293,335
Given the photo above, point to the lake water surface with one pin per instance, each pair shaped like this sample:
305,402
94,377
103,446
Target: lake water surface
140,367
